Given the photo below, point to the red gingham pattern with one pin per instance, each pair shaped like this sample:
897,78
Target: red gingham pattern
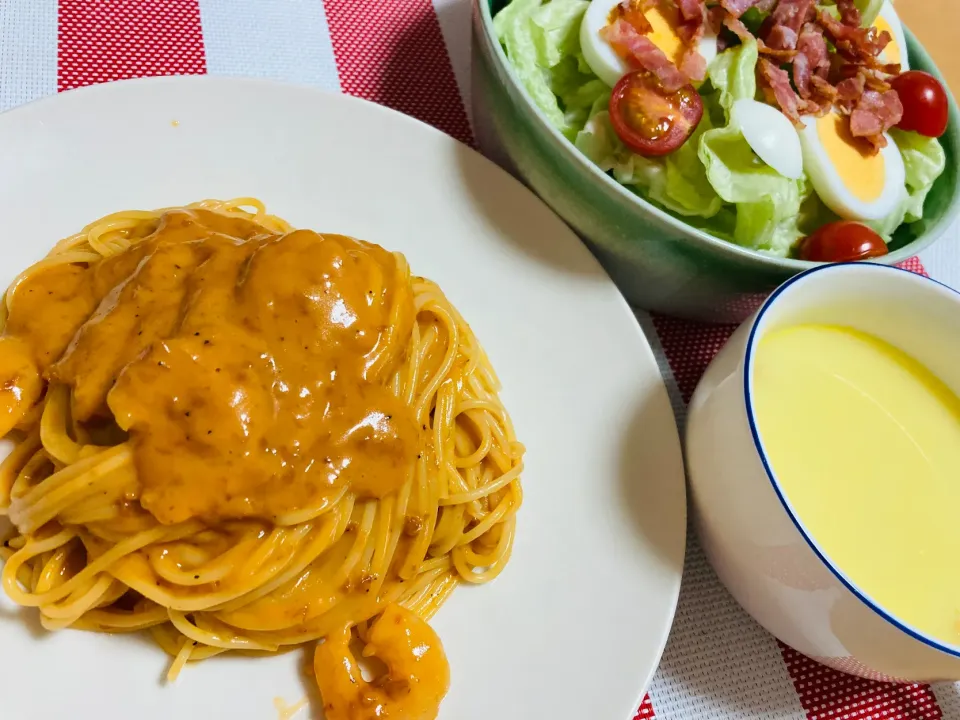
104,40
689,348
853,666
831,695
394,54
914,265
645,711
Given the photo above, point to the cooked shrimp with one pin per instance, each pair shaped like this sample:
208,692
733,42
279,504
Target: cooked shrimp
416,679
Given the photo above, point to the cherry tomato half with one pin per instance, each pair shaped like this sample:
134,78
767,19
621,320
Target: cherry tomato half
925,105
649,120
842,241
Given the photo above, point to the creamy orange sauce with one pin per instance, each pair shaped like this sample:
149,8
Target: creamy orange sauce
249,369
417,672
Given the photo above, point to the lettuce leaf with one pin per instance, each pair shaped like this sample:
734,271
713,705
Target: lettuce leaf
869,9
556,30
514,28
677,182
687,184
600,143
577,93
924,160
753,18
768,204
542,42
733,74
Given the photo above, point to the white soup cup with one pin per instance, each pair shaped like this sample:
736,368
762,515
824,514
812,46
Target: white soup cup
757,544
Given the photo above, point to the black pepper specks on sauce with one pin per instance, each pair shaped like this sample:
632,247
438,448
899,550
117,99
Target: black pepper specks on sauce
250,293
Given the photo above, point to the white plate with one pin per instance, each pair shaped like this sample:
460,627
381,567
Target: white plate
574,627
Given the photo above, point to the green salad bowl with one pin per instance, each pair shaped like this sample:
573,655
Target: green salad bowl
659,262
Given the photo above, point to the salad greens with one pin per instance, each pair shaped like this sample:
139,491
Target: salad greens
869,9
924,160
714,181
767,203
543,44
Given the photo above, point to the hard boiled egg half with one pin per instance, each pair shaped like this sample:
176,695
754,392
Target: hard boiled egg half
850,181
663,17
770,135
896,51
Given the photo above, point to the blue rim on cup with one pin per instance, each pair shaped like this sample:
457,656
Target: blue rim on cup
756,541
953,650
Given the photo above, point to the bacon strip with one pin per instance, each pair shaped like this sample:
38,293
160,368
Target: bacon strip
737,7
876,74
792,14
780,31
692,63
634,13
776,83
849,92
692,9
849,14
781,37
823,93
736,26
812,56
821,86
859,45
802,74
875,82
641,52
782,56
692,31
874,115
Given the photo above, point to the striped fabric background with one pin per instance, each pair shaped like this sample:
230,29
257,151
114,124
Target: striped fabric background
413,55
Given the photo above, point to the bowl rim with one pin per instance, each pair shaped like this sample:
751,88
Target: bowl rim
729,248
756,323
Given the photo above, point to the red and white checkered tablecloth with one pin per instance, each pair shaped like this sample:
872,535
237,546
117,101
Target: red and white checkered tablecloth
414,55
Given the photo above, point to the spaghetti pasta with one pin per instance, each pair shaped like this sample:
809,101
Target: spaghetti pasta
242,437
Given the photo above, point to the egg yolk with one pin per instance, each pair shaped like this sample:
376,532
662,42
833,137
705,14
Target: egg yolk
891,53
864,175
664,21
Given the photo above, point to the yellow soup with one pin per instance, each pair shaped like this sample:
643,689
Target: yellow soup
865,442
